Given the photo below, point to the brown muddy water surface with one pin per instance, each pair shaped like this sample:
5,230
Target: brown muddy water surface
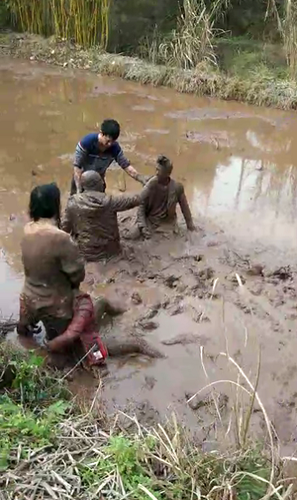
238,165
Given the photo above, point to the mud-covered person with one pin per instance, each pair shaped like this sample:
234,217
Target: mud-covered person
52,263
160,197
54,270
97,151
91,218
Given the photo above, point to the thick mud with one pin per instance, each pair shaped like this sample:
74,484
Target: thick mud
238,165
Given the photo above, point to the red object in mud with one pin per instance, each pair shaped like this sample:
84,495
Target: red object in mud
83,327
95,348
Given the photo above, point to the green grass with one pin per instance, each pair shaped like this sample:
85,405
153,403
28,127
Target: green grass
50,447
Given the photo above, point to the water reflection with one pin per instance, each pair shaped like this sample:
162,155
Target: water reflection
256,197
238,163
10,286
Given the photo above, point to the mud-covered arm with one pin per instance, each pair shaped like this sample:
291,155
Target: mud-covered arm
72,264
184,205
67,219
142,210
125,164
124,202
80,160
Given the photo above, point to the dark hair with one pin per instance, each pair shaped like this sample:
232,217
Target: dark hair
111,128
165,164
45,202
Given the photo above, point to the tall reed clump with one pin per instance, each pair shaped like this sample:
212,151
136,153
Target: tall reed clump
287,27
193,39
86,22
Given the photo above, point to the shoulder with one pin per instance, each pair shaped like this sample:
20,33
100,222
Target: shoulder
88,140
62,236
64,243
179,187
151,183
115,149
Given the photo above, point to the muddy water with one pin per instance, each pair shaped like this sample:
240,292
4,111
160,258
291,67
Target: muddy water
238,165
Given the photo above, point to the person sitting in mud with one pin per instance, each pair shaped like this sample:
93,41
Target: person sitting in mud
91,218
54,270
97,152
159,199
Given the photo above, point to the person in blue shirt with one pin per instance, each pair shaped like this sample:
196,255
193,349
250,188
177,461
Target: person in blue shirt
97,151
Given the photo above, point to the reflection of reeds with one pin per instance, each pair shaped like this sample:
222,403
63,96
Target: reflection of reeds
84,21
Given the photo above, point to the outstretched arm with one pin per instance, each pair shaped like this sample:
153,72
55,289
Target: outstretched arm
124,202
123,162
184,205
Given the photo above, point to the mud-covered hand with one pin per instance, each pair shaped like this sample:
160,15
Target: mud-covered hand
143,179
146,233
191,226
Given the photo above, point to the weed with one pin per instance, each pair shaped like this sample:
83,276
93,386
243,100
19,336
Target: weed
286,17
192,41
50,447
23,376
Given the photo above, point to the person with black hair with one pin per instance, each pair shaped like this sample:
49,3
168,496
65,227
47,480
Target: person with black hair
159,199
97,151
52,264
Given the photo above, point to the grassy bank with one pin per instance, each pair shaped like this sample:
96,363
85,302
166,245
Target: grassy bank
53,448
255,84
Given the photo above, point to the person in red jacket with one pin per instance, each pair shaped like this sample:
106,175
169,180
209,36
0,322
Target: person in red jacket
54,271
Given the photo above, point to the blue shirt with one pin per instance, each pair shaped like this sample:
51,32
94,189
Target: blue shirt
89,157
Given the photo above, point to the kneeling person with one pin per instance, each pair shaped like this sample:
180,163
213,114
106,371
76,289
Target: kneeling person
91,218
160,197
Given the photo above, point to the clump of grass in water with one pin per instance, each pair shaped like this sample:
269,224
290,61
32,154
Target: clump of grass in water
84,21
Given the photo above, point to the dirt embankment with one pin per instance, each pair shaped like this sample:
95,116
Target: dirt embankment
258,89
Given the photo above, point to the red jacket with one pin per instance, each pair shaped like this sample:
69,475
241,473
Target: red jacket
83,327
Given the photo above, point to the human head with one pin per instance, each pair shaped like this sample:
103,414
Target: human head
45,202
163,168
109,132
92,181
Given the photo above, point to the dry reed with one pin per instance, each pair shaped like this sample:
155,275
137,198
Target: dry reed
84,464
287,27
193,40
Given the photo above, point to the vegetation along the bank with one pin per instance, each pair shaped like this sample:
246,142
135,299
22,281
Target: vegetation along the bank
231,49
52,447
